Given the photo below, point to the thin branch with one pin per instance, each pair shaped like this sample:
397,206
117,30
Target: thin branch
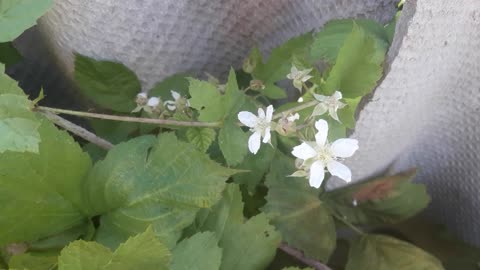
296,109
78,130
299,256
131,119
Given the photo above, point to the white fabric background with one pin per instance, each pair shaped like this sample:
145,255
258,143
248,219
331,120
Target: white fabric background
425,112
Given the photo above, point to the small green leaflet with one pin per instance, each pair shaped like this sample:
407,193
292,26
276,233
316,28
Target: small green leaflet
280,61
297,213
199,252
32,262
327,43
17,16
201,138
108,84
152,181
358,66
143,251
378,252
382,200
251,245
42,189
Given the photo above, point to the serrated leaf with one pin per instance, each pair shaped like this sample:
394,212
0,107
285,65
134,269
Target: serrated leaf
327,43
60,240
42,189
378,252
162,182
255,166
142,251
224,214
207,100
8,54
202,138
274,92
19,135
251,245
17,16
108,84
31,262
199,252
8,85
382,200
347,114
296,211
177,82
358,66
279,63
233,142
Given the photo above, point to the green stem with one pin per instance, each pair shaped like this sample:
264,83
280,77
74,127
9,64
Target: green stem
132,119
296,109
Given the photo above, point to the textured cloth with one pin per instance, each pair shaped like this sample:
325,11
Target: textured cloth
425,112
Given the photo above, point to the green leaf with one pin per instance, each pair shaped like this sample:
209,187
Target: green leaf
199,252
108,84
223,215
358,66
81,255
233,142
202,138
8,54
8,85
388,199
296,211
163,182
42,189
60,240
113,131
280,61
19,135
207,100
251,245
378,252
31,262
17,16
256,166
142,251
177,82
347,114
274,92
234,98
327,43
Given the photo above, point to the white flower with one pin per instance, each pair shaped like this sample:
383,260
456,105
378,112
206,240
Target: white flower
153,102
299,76
260,126
328,103
315,156
141,101
293,117
177,102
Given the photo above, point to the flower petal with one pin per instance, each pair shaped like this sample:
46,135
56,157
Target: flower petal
261,113
320,98
269,113
338,169
333,113
320,109
266,135
175,95
321,136
337,95
344,148
254,142
247,118
317,173
297,84
304,151
153,101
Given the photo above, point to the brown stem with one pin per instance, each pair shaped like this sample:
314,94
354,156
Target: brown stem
299,256
78,130
131,119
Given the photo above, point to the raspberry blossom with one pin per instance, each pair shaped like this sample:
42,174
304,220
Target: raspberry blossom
299,76
178,102
313,157
328,103
260,126
141,101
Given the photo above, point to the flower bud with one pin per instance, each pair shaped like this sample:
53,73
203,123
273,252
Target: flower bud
142,99
257,85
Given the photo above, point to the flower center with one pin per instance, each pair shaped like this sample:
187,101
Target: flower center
324,154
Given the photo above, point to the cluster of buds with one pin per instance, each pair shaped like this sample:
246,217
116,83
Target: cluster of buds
156,107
